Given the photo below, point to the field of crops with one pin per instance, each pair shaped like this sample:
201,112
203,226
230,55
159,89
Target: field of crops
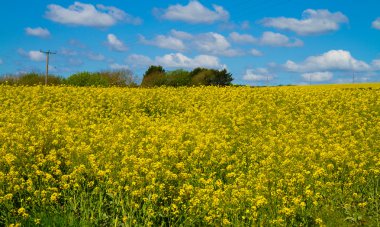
190,156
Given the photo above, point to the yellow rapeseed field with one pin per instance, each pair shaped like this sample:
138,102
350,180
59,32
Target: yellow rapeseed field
285,156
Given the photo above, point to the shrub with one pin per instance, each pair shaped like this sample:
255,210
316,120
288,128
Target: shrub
178,78
119,78
30,79
86,79
154,76
202,76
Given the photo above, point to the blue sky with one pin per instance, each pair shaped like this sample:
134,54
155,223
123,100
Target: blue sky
259,41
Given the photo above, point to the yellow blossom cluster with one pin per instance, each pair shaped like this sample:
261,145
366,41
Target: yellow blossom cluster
190,156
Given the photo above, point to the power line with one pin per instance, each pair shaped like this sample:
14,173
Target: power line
47,53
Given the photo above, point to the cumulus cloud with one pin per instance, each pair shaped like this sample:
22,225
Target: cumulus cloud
175,60
376,23
116,66
95,56
179,60
259,74
332,60
138,60
39,32
194,12
256,53
216,44
120,15
81,14
279,40
77,43
115,44
33,55
312,22
181,35
67,52
267,38
229,25
317,76
209,43
242,38
376,64
75,62
165,42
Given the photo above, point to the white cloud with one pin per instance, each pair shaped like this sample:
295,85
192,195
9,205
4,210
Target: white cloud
259,74
312,22
228,25
33,55
115,44
245,25
120,15
242,38
209,43
279,40
95,56
81,14
138,60
116,66
39,32
194,12
216,44
376,64
181,35
317,76
75,62
77,43
376,23
179,60
267,38
175,60
256,53
165,42
331,60
67,52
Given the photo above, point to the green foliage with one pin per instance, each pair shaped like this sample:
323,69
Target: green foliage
30,79
156,76
119,78
202,76
178,78
8,80
86,79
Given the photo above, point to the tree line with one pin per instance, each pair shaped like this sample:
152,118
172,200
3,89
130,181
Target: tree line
155,76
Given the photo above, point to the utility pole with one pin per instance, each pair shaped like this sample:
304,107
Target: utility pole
47,53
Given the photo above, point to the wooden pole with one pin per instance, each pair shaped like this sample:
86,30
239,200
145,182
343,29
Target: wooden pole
48,53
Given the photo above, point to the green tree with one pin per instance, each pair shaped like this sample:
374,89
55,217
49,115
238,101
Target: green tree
119,78
203,76
30,79
86,79
178,78
222,78
154,76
